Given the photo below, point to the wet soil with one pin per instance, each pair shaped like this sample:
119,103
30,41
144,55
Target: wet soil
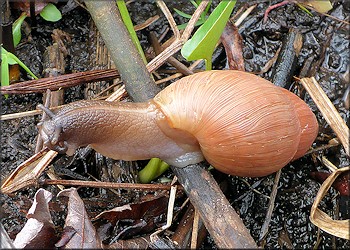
326,42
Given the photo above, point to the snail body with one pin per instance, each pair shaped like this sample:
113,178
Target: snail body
240,123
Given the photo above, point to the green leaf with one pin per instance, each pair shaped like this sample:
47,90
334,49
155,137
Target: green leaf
16,29
51,13
202,43
195,3
5,78
183,14
15,58
5,53
12,59
130,27
183,26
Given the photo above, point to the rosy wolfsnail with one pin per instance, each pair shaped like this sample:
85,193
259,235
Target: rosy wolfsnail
240,123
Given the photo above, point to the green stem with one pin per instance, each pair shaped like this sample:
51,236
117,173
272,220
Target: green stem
138,82
208,63
154,168
130,27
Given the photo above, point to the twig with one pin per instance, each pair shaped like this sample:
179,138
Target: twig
194,237
172,60
101,184
63,81
220,219
271,205
179,41
20,115
244,15
169,17
137,80
321,148
328,164
146,23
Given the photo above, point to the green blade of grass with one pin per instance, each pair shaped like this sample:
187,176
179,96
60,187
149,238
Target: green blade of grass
183,26
15,58
130,27
183,14
202,44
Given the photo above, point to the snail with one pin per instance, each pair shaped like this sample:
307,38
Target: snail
240,123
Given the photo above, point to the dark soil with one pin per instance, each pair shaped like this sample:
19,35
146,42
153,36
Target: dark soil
326,41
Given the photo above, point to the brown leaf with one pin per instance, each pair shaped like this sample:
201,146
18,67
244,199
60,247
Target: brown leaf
137,218
142,210
39,231
28,172
85,235
232,42
338,228
67,235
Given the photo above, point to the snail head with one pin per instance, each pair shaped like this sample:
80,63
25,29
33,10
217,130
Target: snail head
50,131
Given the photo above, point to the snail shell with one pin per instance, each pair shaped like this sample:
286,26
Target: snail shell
244,124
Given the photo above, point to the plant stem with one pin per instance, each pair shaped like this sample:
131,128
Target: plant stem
133,72
129,25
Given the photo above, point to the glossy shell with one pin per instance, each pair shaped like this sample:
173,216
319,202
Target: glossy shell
244,124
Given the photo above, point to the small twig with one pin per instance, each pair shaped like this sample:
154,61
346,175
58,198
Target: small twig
328,164
53,176
107,184
20,115
194,236
269,63
321,148
244,15
271,205
172,60
146,23
325,14
63,81
252,188
179,41
192,22
117,95
172,77
170,18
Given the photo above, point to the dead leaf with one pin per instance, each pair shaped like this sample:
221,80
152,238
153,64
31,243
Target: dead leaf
39,231
233,42
339,228
85,235
27,173
136,218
